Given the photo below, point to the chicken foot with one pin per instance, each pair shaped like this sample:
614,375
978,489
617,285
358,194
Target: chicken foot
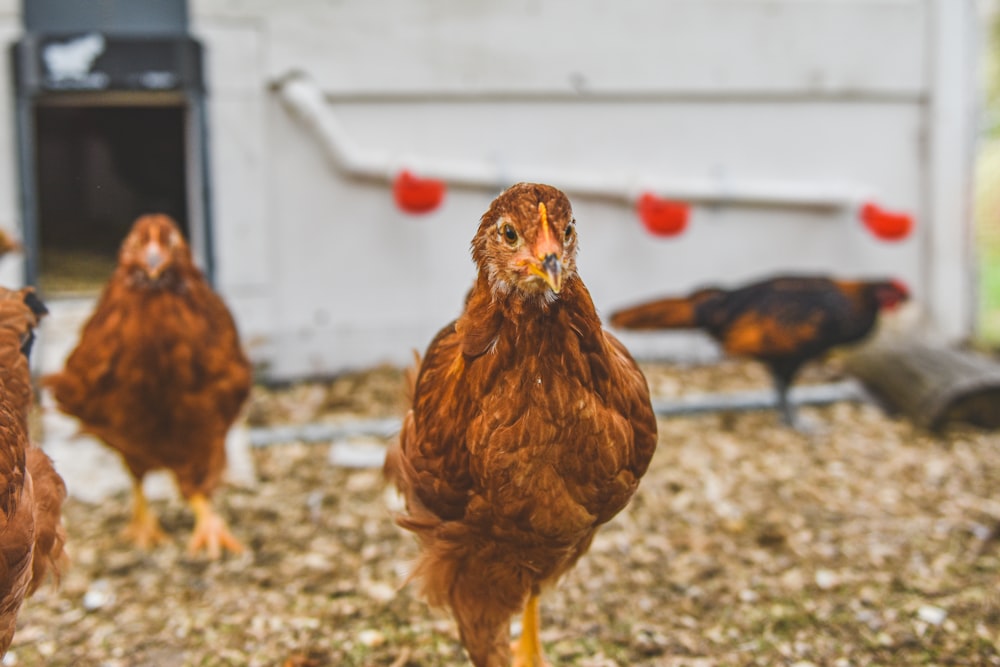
144,529
211,533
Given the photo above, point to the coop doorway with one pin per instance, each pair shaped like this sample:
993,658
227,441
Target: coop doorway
111,121
98,167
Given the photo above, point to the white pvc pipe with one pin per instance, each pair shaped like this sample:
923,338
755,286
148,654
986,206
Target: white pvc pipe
305,100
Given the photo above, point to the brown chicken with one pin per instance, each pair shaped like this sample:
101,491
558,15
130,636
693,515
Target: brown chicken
160,376
31,532
783,322
530,427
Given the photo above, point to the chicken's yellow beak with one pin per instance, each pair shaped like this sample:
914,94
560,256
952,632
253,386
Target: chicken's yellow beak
548,252
549,269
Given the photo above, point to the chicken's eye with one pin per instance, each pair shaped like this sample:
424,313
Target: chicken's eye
569,230
510,234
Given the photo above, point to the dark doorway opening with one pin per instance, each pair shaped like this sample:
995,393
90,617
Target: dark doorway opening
98,168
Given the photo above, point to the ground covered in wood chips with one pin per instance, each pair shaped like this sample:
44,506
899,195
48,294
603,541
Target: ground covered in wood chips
863,543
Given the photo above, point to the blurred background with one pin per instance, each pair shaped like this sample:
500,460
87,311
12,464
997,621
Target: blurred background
987,202
330,161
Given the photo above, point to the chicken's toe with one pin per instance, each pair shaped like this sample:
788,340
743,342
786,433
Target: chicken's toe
211,534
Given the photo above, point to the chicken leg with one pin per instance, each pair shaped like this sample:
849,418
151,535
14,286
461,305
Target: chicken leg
528,650
210,531
789,413
787,410
144,529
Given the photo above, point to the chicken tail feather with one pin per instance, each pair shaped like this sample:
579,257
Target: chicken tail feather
672,313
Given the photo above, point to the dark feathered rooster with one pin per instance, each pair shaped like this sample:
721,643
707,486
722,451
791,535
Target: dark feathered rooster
160,376
783,322
530,427
31,532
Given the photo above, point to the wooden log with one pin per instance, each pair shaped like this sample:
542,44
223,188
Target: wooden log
931,384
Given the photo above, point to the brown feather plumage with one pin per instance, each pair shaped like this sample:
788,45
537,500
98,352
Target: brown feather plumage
159,373
31,533
530,426
50,535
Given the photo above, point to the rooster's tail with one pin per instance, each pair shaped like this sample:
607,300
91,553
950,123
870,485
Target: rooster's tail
672,313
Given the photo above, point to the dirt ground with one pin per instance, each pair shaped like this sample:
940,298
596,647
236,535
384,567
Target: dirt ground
863,543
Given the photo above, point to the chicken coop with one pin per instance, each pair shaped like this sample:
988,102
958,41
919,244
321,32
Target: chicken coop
331,160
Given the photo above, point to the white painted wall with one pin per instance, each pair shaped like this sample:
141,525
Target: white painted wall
12,268
863,96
